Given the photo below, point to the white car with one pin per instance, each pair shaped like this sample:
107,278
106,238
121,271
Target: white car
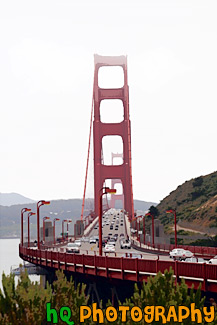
180,254
125,244
92,241
109,248
72,248
77,242
194,260
213,260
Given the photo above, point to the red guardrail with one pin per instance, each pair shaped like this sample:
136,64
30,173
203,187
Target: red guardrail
196,271
207,252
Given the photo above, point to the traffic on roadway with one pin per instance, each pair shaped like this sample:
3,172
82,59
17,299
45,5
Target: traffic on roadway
115,240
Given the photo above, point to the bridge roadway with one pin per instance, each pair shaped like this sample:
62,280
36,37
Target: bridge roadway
120,268
118,218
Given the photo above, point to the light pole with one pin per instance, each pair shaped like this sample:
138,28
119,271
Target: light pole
39,204
22,212
45,218
173,211
69,220
107,190
29,215
138,227
56,219
65,220
152,217
144,229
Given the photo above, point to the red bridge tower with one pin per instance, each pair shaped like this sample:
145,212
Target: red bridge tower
123,171
116,197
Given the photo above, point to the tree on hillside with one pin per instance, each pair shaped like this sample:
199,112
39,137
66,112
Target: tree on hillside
154,211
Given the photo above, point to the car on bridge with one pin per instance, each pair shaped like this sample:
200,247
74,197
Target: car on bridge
103,243
92,240
180,254
132,255
213,260
112,241
125,243
194,259
109,248
72,248
78,242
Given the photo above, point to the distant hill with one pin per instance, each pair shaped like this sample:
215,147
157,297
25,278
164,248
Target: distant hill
195,202
142,205
8,199
63,209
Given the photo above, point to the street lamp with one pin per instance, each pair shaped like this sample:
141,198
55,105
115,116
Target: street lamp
138,227
107,190
65,220
174,213
39,204
56,219
69,220
144,229
45,218
29,215
22,212
152,217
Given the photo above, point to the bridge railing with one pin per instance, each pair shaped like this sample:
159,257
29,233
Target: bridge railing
207,252
124,264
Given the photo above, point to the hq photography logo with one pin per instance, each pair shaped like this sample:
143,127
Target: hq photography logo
136,314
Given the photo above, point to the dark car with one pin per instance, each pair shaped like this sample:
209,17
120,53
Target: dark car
133,255
112,241
103,243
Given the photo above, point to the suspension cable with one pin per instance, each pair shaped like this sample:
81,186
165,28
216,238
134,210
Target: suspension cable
88,155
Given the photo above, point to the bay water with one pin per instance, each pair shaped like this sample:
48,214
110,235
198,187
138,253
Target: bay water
9,257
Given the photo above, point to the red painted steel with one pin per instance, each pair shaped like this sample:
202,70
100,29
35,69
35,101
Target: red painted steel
123,268
122,172
129,264
199,251
113,263
100,261
116,197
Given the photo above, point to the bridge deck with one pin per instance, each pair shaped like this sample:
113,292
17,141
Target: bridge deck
123,268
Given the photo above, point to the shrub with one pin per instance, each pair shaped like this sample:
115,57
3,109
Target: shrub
198,181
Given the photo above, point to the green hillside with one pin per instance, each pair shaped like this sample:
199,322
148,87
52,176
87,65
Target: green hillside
195,202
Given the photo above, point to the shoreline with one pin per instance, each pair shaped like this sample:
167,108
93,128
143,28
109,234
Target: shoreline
9,237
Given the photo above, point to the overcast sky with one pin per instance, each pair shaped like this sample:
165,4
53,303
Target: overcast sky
46,80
